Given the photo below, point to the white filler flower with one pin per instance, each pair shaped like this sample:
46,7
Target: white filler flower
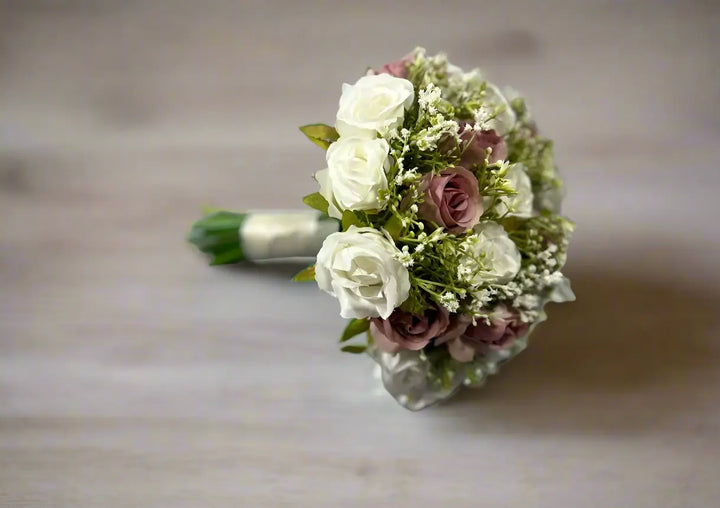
355,175
359,267
520,204
491,254
496,105
374,104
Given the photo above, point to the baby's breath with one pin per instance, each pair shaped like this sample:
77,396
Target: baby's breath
449,301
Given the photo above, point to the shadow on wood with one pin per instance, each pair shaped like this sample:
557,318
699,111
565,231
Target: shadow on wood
644,343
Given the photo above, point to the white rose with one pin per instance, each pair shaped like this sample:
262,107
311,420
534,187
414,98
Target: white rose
520,204
355,174
492,255
359,267
503,121
551,199
374,104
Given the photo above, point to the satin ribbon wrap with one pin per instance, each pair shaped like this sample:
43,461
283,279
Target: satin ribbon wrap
284,234
405,374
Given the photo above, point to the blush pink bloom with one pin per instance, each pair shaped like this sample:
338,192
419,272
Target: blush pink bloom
398,68
464,339
505,326
475,144
452,199
452,336
403,330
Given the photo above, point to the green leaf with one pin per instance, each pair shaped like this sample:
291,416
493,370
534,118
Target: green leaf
217,235
230,256
350,218
394,227
316,201
356,350
353,328
305,275
415,302
320,134
209,210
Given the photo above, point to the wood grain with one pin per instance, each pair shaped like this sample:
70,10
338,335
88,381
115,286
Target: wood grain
133,375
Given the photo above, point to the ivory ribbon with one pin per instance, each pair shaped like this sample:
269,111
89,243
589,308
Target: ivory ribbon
284,234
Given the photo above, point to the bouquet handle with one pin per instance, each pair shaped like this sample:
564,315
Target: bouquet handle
259,236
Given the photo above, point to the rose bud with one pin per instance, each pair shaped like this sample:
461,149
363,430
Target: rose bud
505,326
474,145
398,68
403,330
452,199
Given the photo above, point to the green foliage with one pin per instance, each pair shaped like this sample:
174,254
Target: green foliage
394,227
316,201
356,350
305,275
320,134
441,366
537,154
350,218
354,327
416,302
428,70
520,109
535,234
218,236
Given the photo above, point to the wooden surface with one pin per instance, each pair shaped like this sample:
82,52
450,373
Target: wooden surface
132,375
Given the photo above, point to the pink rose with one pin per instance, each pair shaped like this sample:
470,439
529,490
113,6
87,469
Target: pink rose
452,336
403,330
505,326
452,199
464,339
398,68
474,145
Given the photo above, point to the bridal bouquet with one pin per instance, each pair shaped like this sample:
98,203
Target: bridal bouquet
439,217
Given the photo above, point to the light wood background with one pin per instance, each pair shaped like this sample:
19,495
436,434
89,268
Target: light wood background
132,375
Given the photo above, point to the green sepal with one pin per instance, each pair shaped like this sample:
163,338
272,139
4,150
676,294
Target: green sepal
317,202
209,210
350,218
305,275
415,302
354,327
320,134
394,227
356,350
218,235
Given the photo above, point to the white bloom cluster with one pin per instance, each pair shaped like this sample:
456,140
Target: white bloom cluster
439,127
429,98
449,301
404,256
407,177
481,299
427,139
527,301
